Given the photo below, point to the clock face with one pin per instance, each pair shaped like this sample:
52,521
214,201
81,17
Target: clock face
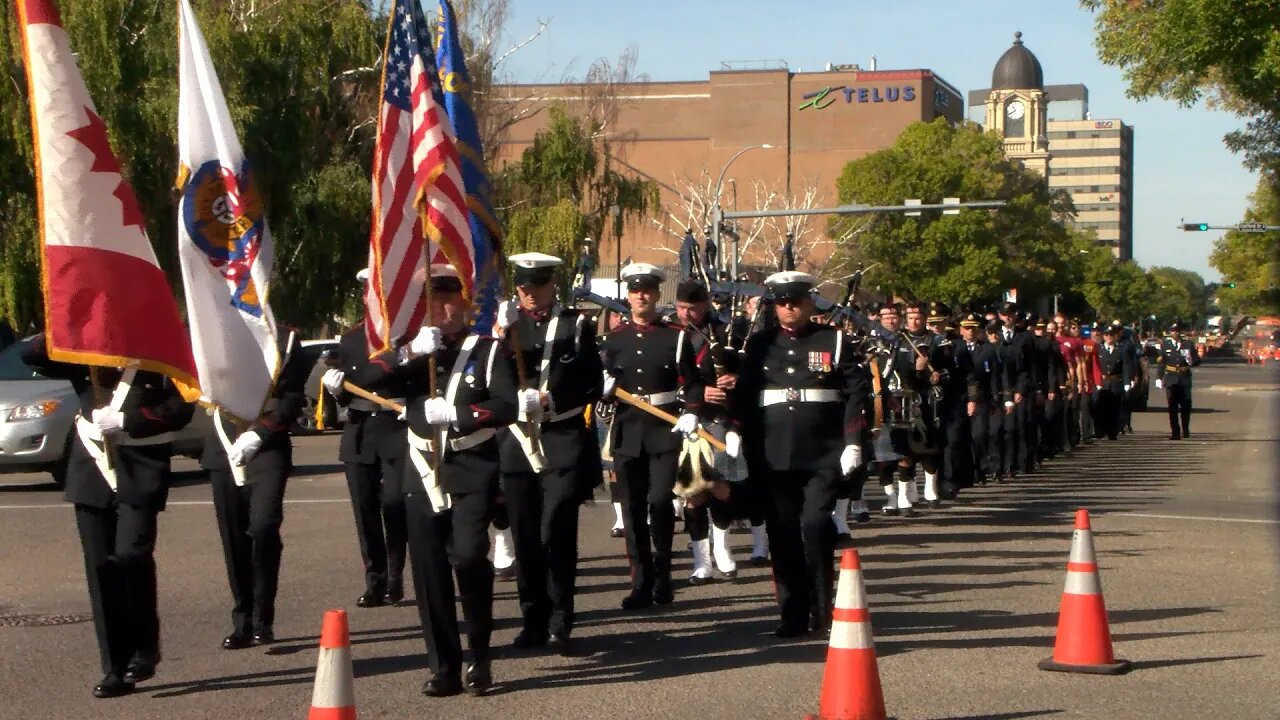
1014,110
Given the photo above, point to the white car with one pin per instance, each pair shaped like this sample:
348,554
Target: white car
37,415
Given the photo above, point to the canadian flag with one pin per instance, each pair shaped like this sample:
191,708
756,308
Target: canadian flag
107,302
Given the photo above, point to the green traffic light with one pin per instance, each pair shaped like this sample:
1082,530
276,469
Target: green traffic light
1231,285
1203,226
1195,227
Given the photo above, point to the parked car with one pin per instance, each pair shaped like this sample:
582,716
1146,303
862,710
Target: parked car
37,415
319,355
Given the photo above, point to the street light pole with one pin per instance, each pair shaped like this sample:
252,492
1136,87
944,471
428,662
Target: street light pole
717,212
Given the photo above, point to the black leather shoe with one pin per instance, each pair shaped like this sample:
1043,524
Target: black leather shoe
395,593
638,600
560,643
758,560
862,517
506,574
371,600
142,667
479,678
617,533
112,686
790,630
237,641
890,511
265,636
442,686
662,593
1175,436
935,504
528,639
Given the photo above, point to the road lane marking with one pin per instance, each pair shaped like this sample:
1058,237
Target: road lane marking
1206,518
307,501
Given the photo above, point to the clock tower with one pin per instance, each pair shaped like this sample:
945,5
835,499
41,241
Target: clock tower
1017,107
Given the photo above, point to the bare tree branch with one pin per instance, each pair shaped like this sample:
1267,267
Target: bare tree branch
542,27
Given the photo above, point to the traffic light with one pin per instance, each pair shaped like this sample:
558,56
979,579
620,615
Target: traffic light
1231,285
1195,227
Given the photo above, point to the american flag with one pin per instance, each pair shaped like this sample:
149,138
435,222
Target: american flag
419,203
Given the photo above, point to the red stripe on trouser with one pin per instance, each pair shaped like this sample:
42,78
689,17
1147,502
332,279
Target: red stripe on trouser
852,615
1084,637
851,686
340,713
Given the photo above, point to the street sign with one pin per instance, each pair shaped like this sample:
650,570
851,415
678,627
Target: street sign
1251,227
951,201
911,213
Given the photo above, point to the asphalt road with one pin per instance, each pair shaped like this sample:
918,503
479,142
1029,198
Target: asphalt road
964,601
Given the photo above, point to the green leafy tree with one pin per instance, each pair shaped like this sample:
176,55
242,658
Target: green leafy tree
563,188
1178,295
1250,262
300,79
1186,50
972,256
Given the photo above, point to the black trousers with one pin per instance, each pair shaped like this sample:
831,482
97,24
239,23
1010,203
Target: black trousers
646,484
1032,419
119,563
802,540
1014,425
377,511
980,423
1178,396
249,520
454,542
1106,412
543,511
957,453
1050,426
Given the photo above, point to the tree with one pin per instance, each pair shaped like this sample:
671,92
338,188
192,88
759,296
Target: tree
1250,262
297,77
1177,295
760,240
1185,50
563,188
972,256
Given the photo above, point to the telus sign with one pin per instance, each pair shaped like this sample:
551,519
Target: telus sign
827,96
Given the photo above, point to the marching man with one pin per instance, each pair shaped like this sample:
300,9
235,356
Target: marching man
550,457
1173,375
798,409
450,481
247,472
654,362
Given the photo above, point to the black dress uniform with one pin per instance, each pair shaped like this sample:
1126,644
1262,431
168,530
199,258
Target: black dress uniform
1016,361
118,527
249,516
980,362
478,379
373,449
1117,374
799,402
656,363
561,358
1045,375
1173,367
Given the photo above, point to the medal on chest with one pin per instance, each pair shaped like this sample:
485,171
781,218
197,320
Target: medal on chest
820,362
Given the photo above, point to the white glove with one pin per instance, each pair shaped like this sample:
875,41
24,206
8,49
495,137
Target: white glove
530,402
333,379
439,411
427,341
732,444
507,314
686,425
850,459
108,421
1159,384
244,448
93,432
1127,386
610,384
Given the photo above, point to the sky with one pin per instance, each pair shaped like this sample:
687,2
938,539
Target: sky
1181,168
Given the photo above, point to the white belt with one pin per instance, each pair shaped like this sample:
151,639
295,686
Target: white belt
662,398
777,396
466,442
122,439
567,414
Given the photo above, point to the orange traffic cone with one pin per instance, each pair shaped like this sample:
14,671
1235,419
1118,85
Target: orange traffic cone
1084,637
851,679
334,697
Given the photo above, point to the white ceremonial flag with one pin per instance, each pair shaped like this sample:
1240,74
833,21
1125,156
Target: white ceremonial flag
223,240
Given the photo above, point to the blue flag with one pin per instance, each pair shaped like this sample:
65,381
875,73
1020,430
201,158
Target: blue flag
486,234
